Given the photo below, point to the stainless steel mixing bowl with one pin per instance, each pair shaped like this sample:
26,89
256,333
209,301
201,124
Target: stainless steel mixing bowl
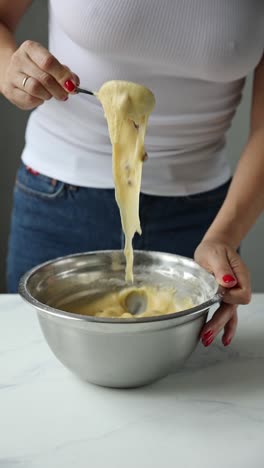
118,352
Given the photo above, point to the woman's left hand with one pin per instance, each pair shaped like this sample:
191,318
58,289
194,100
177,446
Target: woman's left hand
230,272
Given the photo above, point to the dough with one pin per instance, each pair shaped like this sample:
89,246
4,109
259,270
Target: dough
160,301
127,107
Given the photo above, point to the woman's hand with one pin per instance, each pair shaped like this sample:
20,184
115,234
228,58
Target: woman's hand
229,271
33,76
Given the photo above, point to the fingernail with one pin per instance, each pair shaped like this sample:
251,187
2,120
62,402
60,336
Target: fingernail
69,85
66,98
207,335
228,279
208,342
227,342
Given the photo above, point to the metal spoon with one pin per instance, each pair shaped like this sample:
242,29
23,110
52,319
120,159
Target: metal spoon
136,302
84,91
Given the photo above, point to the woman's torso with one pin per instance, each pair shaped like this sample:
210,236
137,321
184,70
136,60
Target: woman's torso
193,54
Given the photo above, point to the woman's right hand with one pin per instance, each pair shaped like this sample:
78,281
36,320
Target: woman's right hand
33,76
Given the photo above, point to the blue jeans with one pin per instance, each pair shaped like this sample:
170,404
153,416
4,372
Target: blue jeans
51,219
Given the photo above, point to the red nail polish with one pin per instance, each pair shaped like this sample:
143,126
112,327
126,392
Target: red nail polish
208,342
207,335
228,279
69,85
227,342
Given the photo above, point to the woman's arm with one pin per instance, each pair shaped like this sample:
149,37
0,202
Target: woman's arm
245,199
10,14
244,203
29,74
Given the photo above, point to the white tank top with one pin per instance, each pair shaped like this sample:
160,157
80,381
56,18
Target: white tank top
194,56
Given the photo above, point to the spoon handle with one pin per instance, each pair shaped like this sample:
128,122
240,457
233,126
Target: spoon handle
85,91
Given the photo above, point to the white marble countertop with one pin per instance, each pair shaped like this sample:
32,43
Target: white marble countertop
210,414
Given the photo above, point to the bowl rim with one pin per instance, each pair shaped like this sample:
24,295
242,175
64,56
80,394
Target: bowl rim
27,296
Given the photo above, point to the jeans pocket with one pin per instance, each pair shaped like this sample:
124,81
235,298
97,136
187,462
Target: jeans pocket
38,185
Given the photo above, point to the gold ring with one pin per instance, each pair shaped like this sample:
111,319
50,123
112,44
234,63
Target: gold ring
24,81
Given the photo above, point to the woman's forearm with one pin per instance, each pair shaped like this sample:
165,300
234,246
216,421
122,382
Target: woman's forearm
7,48
47,76
245,199
10,14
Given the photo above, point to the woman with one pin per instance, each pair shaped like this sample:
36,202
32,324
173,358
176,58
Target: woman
194,56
